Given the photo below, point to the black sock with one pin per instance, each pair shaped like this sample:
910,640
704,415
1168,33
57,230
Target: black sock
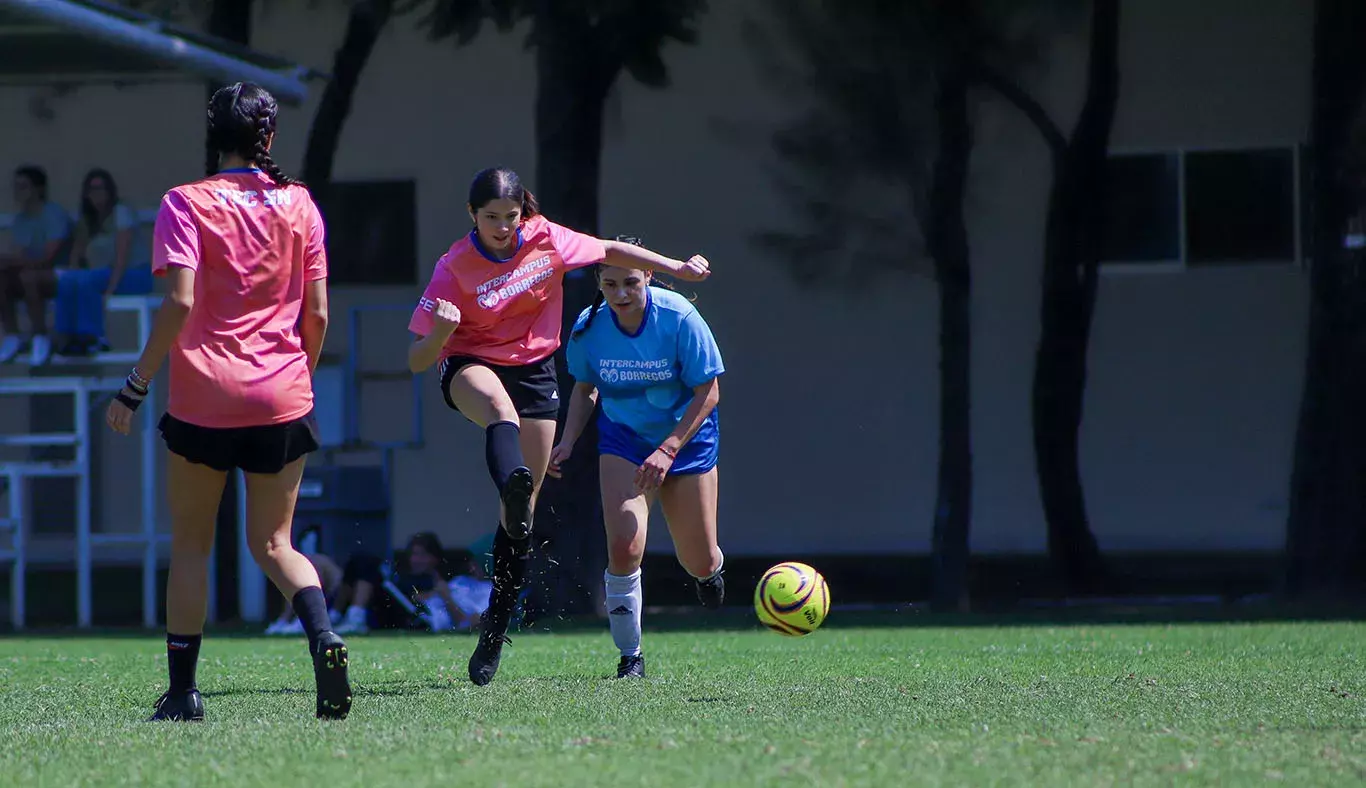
510,558
311,608
182,657
503,451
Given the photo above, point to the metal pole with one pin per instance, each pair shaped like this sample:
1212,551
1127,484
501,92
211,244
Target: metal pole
158,45
81,395
149,488
251,581
18,569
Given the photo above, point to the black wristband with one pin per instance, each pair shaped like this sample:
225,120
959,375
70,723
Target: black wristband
131,403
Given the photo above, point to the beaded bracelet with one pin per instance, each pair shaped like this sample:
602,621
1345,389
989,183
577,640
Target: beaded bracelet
137,381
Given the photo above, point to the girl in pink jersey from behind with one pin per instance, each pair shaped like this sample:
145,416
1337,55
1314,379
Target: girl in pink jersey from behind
243,323
491,316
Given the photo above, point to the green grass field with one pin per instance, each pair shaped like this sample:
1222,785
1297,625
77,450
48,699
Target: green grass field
1191,704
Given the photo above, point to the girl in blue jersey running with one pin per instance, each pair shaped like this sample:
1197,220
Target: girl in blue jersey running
652,361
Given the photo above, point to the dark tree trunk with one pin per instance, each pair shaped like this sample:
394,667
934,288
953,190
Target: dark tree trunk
230,20
1324,539
947,239
367,20
574,74
1072,250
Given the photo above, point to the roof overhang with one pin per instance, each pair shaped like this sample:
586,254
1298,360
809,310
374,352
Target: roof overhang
85,41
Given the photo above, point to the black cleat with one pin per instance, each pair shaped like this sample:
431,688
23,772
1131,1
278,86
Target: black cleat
712,591
517,503
631,667
329,671
489,652
179,707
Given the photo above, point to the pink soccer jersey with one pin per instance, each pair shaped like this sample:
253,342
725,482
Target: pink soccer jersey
239,360
510,312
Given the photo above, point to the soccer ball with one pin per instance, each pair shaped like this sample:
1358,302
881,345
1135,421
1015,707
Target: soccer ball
792,599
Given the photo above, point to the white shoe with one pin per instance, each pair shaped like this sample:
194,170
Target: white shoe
40,351
352,628
354,623
277,626
9,348
436,618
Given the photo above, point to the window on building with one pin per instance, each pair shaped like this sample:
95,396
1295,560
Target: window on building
1205,208
371,232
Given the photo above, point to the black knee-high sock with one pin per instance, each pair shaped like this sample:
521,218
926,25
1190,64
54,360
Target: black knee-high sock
182,657
503,451
510,558
311,608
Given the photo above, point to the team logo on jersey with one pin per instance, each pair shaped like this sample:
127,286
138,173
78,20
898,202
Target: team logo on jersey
515,282
633,370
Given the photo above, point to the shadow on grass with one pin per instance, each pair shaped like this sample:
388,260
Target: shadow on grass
741,619
384,689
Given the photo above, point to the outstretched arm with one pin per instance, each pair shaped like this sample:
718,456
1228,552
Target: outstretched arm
624,255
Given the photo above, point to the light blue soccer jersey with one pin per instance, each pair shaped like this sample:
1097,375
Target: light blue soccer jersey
645,380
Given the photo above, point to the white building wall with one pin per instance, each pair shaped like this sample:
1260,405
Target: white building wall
830,402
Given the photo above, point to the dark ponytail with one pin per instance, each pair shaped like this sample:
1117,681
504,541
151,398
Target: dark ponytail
598,300
530,206
241,121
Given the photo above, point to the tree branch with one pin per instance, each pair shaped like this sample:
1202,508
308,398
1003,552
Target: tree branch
1025,103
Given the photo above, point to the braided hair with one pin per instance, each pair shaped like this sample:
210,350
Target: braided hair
598,298
242,120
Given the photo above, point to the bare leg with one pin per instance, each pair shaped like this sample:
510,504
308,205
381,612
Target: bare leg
11,291
193,493
689,504
40,284
537,438
270,516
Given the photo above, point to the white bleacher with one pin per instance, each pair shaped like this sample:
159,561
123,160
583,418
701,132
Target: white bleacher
86,392
82,391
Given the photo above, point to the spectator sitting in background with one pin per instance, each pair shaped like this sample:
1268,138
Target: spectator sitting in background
383,601
420,597
108,257
39,235
469,596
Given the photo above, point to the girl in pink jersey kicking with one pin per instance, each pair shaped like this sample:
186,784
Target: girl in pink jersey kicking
243,324
491,316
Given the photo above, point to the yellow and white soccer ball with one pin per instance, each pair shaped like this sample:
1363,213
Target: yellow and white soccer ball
792,599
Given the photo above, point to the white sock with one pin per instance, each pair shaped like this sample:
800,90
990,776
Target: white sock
623,611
